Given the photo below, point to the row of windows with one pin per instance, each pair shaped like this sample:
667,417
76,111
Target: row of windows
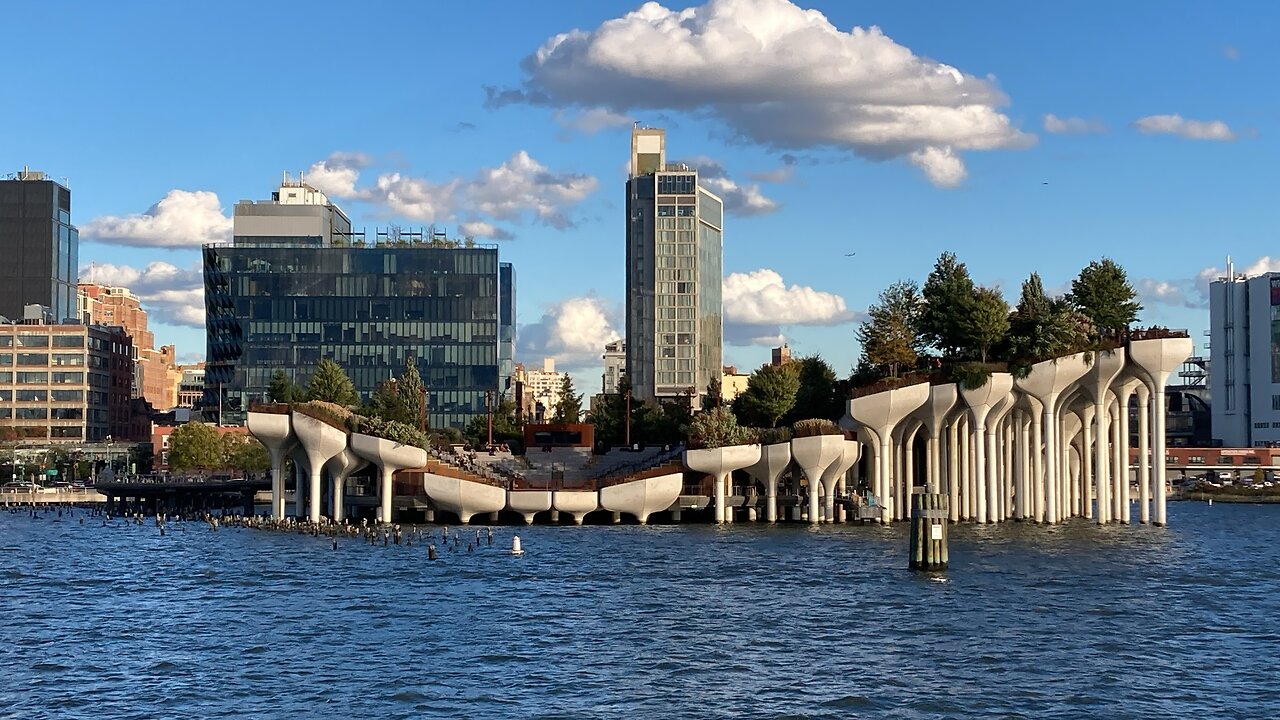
675,378
42,341
673,223
42,378
41,395
671,326
42,359
671,211
673,313
40,413
670,351
675,300
668,275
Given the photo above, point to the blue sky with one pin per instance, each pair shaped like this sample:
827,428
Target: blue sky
1159,152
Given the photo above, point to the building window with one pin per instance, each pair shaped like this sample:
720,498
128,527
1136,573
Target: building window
1196,460
30,359
32,378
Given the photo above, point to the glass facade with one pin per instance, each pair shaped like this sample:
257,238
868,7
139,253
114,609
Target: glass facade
674,258
284,307
41,248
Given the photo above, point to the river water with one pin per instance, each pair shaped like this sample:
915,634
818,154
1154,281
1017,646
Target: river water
1074,621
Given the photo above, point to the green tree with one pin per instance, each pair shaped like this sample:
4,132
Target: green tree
987,322
410,389
330,384
243,452
507,427
948,294
770,394
888,336
283,390
817,396
387,404
714,396
1041,328
608,415
195,446
569,407
1103,293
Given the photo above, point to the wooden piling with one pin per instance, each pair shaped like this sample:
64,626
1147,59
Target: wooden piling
929,513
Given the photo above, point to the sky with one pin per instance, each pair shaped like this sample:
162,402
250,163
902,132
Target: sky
853,143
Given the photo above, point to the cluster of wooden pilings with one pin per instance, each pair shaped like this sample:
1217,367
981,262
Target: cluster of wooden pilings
1045,447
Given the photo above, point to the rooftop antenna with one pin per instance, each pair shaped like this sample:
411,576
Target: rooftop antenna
1231,273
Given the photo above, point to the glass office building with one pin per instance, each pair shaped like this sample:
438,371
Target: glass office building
273,306
674,259
40,247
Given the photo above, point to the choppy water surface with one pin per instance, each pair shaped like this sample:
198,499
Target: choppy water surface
690,621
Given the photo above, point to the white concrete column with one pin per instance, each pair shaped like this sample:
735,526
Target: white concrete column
884,461
1086,461
1158,459
1102,461
1144,464
966,473
1007,471
1036,454
953,470
277,482
1117,475
719,498
1050,461
385,489
1126,506
1022,472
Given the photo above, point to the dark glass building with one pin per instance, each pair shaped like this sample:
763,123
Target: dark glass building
278,307
39,246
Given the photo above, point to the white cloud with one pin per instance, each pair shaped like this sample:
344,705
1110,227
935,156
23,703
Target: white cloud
1194,292
481,229
519,187
1183,128
1073,125
744,200
170,294
778,75
337,174
182,219
941,165
573,331
592,120
757,305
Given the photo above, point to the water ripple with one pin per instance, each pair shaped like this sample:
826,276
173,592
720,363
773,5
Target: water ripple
1073,621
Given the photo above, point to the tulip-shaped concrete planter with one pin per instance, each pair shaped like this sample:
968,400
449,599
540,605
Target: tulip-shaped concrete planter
529,503
720,463
933,415
641,498
320,442
834,473
275,432
774,460
1046,382
340,467
981,401
577,503
1158,358
1096,385
813,455
880,413
301,471
388,456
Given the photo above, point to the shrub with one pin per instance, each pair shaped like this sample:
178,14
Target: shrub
392,430
814,427
773,436
718,427
326,412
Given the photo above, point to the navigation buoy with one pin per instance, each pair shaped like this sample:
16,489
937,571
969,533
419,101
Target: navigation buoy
515,546
431,552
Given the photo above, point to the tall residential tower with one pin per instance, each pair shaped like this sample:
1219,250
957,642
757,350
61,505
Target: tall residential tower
40,247
674,249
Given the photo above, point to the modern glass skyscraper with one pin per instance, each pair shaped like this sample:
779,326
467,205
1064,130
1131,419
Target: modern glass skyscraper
40,246
284,302
674,257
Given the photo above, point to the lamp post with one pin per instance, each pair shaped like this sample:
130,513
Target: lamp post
488,411
626,396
